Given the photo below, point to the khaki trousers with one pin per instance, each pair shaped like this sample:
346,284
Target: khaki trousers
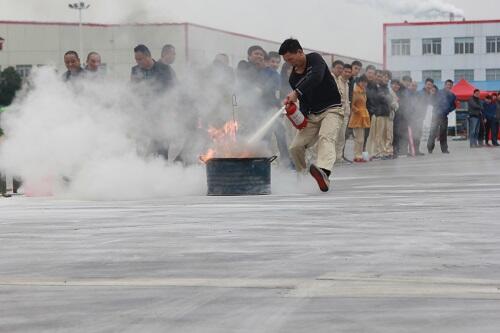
359,139
371,143
380,138
322,128
389,137
341,136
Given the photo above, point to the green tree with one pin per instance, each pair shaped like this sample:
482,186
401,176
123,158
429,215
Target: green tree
10,83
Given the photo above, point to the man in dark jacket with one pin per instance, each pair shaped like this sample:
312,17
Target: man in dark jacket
383,112
3,178
490,110
255,80
446,103
73,66
151,71
371,101
424,100
167,57
475,113
496,125
320,101
262,84
401,118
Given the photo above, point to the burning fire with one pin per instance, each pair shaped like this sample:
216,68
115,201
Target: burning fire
224,139
226,144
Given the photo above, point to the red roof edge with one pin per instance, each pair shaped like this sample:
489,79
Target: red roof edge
89,24
101,25
402,24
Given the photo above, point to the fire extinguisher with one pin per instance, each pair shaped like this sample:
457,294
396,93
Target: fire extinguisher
299,121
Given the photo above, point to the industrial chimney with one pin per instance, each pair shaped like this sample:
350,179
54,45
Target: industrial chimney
452,17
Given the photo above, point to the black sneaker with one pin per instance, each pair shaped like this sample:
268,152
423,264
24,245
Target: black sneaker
320,177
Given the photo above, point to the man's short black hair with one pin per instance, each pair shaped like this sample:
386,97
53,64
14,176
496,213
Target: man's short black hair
370,67
347,66
429,80
396,81
254,48
274,54
142,49
167,48
450,81
362,78
475,90
71,52
91,54
357,63
338,62
290,45
406,78
388,73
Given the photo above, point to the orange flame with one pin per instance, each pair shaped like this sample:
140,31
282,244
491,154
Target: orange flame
224,141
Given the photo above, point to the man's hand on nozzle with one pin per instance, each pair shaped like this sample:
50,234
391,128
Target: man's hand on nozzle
291,98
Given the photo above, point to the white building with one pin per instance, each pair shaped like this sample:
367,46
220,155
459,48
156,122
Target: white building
444,50
26,45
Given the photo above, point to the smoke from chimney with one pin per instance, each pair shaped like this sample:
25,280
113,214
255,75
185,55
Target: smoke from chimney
416,8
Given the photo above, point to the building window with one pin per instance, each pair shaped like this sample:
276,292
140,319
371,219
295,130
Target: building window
464,45
467,74
431,46
493,74
398,75
493,44
24,70
431,74
400,47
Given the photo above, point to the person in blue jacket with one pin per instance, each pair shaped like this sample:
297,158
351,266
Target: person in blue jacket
446,103
489,113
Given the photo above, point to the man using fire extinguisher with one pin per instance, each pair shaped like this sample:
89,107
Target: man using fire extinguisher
320,102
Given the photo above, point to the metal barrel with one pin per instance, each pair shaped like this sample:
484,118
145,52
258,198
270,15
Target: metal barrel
239,176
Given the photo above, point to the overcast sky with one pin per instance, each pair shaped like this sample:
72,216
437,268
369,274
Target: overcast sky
350,27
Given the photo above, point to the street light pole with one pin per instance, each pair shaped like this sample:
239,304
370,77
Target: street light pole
79,6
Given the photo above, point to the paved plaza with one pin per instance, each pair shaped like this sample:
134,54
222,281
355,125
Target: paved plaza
411,245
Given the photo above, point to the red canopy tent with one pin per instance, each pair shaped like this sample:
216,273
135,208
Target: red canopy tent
464,90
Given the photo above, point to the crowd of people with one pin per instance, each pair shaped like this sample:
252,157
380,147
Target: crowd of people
484,118
384,115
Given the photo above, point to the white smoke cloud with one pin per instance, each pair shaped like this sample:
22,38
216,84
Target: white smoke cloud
415,8
96,138
90,140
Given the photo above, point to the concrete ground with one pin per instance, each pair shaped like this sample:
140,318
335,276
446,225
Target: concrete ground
411,245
